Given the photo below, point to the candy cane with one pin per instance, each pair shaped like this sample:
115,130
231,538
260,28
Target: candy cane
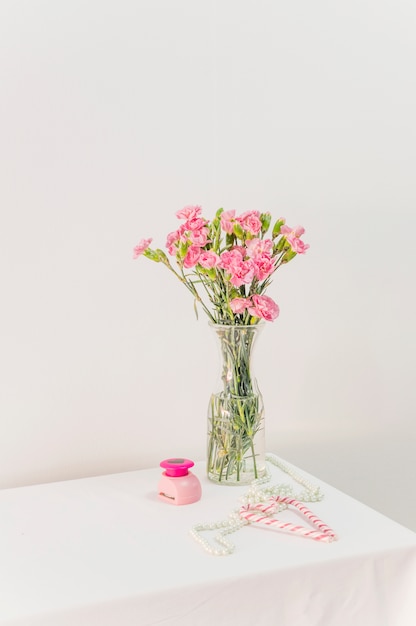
248,512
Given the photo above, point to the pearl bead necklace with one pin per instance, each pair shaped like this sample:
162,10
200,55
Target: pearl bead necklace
258,492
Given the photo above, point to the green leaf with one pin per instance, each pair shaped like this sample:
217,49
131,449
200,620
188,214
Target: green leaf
265,219
162,255
183,249
212,273
288,256
238,231
277,227
229,240
152,255
280,245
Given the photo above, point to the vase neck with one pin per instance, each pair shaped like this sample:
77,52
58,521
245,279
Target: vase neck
236,345
236,332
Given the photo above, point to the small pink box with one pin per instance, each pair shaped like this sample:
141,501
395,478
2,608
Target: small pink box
178,485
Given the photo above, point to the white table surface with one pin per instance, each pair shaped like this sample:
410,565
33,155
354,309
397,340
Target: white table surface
105,551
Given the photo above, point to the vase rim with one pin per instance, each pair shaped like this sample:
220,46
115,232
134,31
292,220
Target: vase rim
259,324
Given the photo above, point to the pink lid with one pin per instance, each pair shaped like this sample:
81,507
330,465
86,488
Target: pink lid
176,466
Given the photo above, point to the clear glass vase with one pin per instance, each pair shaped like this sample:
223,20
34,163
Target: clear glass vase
236,438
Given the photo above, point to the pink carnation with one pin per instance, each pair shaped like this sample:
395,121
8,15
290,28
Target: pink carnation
141,247
241,249
292,236
264,266
231,259
173,239
195,223
171,242
241,272
208,259
258,246
295,232
227,221
264,307
250,222
239,305
298,245
192,255
188,212
200,237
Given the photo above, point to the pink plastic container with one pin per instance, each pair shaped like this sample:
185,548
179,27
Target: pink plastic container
178,485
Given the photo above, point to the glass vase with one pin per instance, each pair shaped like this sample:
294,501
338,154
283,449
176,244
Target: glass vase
236,438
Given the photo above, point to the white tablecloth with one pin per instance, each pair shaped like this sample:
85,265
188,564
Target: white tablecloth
105,551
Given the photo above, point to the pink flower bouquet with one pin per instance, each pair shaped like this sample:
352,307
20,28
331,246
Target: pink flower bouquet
228,263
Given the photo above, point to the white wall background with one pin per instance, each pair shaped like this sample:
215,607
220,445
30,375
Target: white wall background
114,115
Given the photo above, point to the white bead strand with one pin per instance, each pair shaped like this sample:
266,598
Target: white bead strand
257,493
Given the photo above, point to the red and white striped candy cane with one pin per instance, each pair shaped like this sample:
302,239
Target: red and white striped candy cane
261,514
